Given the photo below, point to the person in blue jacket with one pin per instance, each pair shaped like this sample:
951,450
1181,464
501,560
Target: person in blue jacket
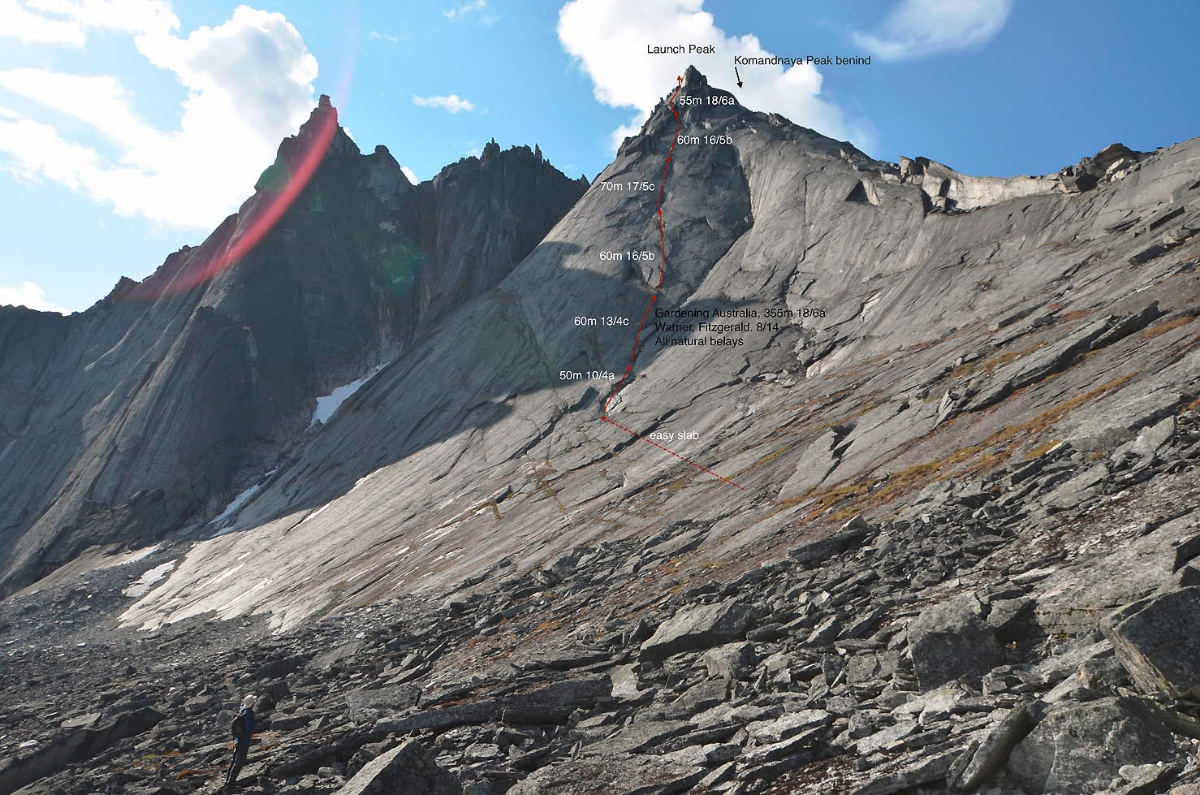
243,730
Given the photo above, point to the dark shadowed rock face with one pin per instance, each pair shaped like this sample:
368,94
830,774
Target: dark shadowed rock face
153,407
77,745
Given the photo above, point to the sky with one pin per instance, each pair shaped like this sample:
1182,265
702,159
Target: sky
129,128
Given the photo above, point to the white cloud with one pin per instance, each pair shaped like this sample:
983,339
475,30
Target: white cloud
249,84
388,37
917,28
408,172
31,295
453,103
609,37
68,21
476,8
18,22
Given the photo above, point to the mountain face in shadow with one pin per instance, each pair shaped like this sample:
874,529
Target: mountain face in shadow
140,415
832,334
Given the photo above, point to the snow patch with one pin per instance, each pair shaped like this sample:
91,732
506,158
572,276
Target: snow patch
233,508
223,575
238,501
438,533
139,554
328,404
143,584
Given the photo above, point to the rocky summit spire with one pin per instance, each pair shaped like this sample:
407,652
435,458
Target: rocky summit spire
323,112
693,80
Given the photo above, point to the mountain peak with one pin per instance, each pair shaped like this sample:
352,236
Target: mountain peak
693,79
323,113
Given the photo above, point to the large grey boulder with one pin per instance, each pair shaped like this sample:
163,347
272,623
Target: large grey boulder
407,769
1081,747
905,772
1073,598
625,684
611,774
951,639
367,706
731,661
1158,640
76,746
1149,440
440,719
995,748
640,736
698,628
555,701
816,552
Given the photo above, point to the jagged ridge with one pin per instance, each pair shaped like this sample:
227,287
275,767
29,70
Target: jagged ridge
148,411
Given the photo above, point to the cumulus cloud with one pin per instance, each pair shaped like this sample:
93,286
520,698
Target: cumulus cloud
917,28
609,39
408,172
31,295
453,103
249,84
18,22
68,21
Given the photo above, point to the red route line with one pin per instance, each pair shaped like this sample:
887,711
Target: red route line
662,241
672,452
662,270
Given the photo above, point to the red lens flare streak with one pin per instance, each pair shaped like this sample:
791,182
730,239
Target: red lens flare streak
259,218
262,211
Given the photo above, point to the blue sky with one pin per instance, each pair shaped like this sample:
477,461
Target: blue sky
129,128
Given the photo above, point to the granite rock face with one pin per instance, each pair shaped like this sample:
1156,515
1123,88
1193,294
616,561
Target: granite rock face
150,410
961,438
930,348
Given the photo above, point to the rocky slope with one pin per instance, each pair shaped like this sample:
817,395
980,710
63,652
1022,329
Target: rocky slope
147,412
921,343
923,653
951,544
